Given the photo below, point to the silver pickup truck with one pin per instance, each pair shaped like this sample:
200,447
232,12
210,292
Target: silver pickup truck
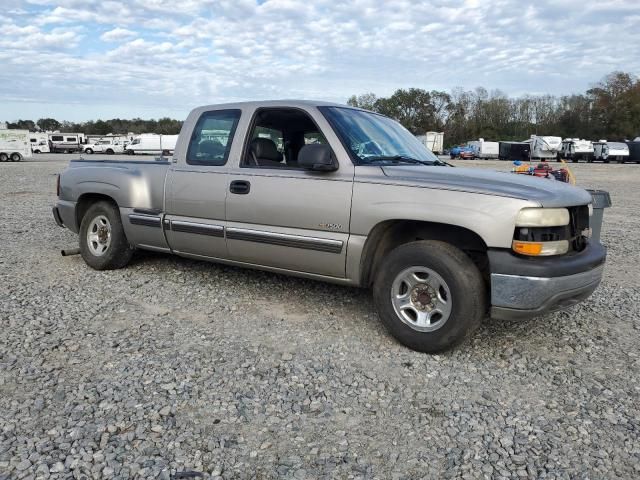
344,195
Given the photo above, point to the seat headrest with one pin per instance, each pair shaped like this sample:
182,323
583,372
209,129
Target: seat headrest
266,149
211,148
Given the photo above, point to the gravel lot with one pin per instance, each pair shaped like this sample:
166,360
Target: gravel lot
173,366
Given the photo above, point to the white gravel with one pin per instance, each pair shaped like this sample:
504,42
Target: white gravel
171,367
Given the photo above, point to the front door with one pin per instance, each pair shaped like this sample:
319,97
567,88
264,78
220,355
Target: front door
279,215
196,188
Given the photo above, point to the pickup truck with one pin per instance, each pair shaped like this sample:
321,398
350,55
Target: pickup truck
104,146
291,187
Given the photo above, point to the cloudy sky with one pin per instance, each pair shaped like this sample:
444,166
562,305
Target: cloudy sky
83,59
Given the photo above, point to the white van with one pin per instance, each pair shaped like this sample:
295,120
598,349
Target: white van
152,143
39,142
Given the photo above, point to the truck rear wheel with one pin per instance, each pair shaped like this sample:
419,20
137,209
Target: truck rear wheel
103,243
16,157
88,151
4,157
429,295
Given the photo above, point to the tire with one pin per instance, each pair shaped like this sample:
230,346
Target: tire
100,253
461,285
109,151
16,157
4,157
89,151
36,151
129,152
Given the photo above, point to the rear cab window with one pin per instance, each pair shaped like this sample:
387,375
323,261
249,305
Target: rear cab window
212,137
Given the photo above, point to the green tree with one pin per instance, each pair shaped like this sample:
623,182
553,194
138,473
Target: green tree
48,124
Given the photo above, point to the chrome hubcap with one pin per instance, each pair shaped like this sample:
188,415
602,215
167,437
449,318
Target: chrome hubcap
99,235
421,298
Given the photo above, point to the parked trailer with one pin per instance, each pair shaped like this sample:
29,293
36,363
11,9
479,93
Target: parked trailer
39,142
576,149
66,142
544,147
483,149
434,141
606,151
14,145
152,143
514,151
634,151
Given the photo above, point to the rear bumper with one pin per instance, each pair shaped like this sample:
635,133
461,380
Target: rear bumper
529,290
64,214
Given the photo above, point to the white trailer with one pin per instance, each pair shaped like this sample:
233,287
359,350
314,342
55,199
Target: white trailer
434,141
14,145
66,142
483,149
152,143
606,151
544,147
39,142
576,149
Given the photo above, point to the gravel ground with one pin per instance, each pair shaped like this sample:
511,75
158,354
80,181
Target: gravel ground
172,366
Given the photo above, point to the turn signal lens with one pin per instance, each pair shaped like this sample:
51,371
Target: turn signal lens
540,249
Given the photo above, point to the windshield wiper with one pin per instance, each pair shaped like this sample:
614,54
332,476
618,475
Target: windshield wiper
395,159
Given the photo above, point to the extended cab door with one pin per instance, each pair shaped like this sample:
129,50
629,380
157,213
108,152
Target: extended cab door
282,216
196,186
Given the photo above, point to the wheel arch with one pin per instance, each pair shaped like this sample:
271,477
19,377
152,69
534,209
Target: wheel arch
389,234
86,200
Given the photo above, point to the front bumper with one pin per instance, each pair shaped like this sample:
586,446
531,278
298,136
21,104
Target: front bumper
528,291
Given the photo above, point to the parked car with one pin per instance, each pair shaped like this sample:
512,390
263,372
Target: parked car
285,189
467,155
457,150
151,143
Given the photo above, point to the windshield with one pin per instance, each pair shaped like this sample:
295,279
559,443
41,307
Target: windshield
375,138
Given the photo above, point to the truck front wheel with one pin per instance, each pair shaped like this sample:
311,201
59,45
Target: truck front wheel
103,243
429,295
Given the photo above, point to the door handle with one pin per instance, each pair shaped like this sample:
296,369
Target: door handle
240,187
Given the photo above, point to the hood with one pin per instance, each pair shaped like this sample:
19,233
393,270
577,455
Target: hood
546,192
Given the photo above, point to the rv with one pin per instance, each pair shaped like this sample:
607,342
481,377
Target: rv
606,151
575,149
514,151
66,142
483,149
544,147
434,141
152,143
39,142
14,145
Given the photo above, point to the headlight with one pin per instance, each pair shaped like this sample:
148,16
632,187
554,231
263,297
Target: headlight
542,217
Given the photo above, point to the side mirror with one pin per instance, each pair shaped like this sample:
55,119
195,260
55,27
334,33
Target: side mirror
317,157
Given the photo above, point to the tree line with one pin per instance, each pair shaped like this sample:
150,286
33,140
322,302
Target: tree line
609,110
164,126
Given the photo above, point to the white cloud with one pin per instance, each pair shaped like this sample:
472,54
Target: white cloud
151,54
117,34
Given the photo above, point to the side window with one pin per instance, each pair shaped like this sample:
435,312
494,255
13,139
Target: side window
277,136
72,139
212,136
57,138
